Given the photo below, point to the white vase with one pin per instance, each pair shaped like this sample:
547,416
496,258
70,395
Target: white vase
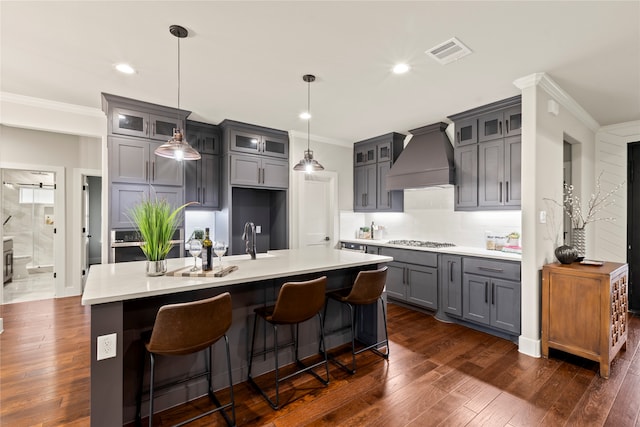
578,241
156,268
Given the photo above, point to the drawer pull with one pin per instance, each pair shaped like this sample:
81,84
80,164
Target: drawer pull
494,270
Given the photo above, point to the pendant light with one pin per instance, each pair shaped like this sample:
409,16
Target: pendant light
308,164
177,148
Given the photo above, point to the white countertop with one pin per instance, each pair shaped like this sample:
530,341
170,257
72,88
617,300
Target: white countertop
128,280
455,250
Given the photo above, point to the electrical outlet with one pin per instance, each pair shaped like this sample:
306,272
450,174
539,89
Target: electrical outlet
543,217
106,346
258,229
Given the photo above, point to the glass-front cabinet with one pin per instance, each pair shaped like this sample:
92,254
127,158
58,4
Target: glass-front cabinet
144,125
250,142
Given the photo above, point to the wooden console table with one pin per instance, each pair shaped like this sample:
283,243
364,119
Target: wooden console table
584,310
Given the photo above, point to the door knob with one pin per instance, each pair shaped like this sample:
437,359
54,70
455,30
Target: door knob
326,239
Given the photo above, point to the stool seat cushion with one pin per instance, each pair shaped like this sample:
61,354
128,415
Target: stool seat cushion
296,303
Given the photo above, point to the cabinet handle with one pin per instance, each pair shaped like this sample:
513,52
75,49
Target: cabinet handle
153,128
493,293
494,270
145,128
458,195
146,170
458,133
506,126
500,192
203,195
366,199
389,198
486,292
450,271
153,170
500,127
506,194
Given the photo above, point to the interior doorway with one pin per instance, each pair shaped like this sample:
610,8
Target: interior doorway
318,215
29,219
91,235
633,225
566,178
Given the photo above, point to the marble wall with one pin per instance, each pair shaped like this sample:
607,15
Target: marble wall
31,224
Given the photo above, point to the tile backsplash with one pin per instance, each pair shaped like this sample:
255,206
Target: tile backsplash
429,215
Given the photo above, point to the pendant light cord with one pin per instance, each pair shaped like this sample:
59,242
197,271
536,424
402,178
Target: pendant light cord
178,73
309,112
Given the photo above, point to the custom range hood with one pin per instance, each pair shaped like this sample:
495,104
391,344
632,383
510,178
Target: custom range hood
426,161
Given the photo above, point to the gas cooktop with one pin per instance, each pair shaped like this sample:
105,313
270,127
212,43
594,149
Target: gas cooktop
420,243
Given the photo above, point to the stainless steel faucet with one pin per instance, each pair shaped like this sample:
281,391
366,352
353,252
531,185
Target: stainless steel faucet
250,249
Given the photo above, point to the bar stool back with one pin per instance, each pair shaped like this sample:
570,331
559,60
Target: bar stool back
367,289
187,328
297,302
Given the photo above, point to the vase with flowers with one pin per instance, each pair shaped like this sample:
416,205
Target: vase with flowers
573,207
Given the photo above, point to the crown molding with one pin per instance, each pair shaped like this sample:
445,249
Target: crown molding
50,105
557,93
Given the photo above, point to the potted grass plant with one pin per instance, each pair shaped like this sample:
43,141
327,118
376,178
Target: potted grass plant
156,221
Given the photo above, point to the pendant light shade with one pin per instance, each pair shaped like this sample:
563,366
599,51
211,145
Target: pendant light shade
308,163
177,148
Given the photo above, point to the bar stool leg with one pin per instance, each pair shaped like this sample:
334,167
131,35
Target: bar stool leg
233,402
275,341
151,379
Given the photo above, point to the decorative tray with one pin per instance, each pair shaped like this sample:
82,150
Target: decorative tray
185,272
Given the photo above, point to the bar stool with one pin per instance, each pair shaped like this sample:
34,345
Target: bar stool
367,289
182,329
297,302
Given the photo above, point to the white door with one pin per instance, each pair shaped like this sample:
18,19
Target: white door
317,213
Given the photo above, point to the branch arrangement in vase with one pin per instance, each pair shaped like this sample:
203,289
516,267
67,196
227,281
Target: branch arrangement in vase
572,205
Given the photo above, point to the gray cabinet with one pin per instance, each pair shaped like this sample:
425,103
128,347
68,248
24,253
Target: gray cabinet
364,181
412,277
133,161
257,171
450,276
256,142
372,160
125,196
499,173
487,156
202,177
491,294
140,119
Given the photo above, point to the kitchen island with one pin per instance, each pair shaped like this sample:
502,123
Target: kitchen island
124,302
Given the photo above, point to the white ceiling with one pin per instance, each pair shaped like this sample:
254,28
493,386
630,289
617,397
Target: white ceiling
245,60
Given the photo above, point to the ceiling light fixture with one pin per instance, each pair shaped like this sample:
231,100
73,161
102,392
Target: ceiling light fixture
125,68
308,164
177,148
400,68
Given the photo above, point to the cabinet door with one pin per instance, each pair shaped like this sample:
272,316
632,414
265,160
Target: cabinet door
130,122
451,284
162,127
384,195
490,126
275,146
364,154
165,171
209,141
129,160
475,298
423,286
505,305
384,152
466,131
359,188
513,121
513,171
275,173
173,195
491,173
395,285
466,162
192,181
247,142
245,170
210,181
123,198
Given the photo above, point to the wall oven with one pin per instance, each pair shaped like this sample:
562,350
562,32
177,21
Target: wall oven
354,247
125,246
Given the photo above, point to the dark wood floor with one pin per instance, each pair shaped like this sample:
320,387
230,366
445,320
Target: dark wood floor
438,374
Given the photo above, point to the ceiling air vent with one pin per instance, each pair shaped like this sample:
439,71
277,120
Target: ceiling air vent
448,51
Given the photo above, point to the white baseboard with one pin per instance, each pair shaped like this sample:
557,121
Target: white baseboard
1,325
529,347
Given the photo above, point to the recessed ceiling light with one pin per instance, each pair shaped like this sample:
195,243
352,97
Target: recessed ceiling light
400,68
305,116
125,68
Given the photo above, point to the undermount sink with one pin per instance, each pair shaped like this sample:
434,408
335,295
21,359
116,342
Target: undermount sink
246,257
